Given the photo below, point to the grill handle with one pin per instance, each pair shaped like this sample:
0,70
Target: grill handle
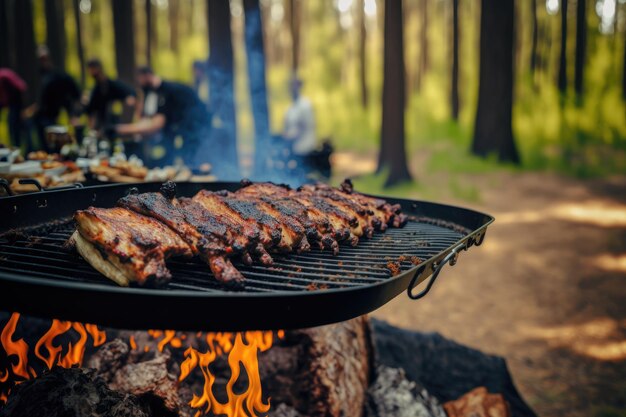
450,258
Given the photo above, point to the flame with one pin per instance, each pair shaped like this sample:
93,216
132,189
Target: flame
18,348
240,353
242,350
45,349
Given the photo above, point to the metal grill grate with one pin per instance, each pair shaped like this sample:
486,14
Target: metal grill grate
42,255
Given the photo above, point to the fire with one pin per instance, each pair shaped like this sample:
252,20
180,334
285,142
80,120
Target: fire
45,349
17,348
240,353
54,348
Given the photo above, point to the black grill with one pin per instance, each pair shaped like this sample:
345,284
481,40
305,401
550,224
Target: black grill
41,276
42,254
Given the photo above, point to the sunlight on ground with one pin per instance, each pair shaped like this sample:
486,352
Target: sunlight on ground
595,212
610,263
601,339
352,164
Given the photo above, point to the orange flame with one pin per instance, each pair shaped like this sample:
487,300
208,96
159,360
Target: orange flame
18,348
240,353
45,350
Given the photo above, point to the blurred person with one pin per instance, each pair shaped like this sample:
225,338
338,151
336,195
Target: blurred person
105,93
299,128
174,110
11,89
58,91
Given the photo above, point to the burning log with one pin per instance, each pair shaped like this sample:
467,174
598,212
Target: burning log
149,380
71,392
323,371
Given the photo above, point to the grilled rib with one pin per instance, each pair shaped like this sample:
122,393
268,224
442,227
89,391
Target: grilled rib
126,246
209,238
131,242
268,236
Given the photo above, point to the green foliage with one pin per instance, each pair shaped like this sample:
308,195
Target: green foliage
578,137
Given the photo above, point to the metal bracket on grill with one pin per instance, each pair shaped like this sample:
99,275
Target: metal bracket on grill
7,187
32,181
450,258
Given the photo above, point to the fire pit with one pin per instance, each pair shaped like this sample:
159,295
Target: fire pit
41,277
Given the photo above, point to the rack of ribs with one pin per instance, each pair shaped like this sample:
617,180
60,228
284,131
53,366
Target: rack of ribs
131,242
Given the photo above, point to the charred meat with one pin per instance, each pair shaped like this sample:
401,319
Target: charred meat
131,242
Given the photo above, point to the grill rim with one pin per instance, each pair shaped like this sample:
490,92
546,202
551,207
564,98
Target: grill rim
281,309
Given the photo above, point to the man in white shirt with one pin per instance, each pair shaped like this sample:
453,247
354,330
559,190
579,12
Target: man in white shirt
300,121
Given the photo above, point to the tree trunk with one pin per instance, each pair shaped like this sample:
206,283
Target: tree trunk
362,53
424,61
173,14
79,41
294,29
6,52
493,127
535,38
25,55
221,81
624,70
581,47
123,28
149,25
392,150
454,96
562,81
55,31
255,52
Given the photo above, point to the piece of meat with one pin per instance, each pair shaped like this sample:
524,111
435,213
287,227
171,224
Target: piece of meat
126,246
333,222
207,236
389,214
217,207
318,228
293,232
131,242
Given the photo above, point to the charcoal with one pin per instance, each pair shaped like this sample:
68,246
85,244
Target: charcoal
446,369
147,379
70,392
392,395
110,358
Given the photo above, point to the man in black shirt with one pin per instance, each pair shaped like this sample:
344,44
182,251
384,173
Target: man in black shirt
58,91
104,94
177,112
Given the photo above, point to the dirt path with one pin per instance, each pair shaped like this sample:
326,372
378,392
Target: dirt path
547,290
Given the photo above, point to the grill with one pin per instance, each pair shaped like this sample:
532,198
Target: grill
41,277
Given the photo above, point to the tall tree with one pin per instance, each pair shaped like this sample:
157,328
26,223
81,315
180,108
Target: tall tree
624,70
562,80
255,53
6,52
424,60
79,40
392,147
581,46
493,131
293,18
221,81
123,27
55,31
149,24
362,53
174,10
454,93
535,37
24,40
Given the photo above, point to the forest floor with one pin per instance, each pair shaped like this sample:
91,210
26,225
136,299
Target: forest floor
547,289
